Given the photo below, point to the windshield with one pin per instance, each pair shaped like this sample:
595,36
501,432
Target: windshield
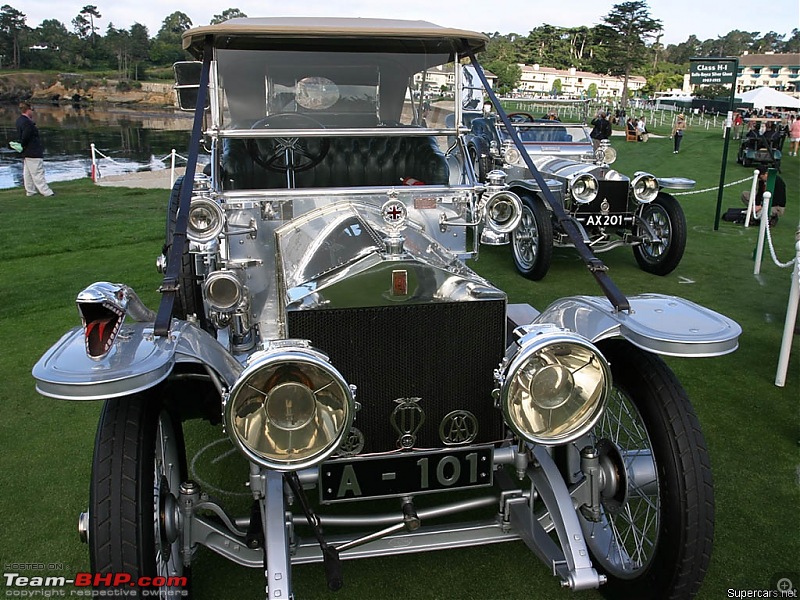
334,89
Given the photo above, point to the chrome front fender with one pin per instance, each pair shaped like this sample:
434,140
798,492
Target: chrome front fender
137,361
666,325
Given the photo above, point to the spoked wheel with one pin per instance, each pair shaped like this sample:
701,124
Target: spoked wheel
665,217
288,153
139,463
656,531
532,240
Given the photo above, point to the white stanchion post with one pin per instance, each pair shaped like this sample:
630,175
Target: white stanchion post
762,232
791,318
752,201
94,164
172,170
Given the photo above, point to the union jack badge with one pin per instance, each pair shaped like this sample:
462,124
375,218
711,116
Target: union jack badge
394,213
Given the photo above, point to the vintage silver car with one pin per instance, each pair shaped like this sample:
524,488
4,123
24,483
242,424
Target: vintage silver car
317,306
610,209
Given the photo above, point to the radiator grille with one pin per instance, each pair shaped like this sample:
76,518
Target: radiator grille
613,192
443,353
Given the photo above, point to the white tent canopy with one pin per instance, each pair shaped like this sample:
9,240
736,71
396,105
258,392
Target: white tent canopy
764,97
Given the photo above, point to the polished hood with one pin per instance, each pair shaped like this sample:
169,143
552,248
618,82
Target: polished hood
347,255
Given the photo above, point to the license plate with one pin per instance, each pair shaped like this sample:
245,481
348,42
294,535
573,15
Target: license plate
606,220
403,474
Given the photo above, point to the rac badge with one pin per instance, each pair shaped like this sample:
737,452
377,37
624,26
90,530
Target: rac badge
458,427
407,418
353,443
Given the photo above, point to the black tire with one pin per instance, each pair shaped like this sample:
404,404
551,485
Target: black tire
655,537
478,164
139,463
665,216
189,299
532,240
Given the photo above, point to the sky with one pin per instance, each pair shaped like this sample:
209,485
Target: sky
706,19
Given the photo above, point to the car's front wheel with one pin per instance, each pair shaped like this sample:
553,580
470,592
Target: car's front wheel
656,528
139,462
662,254
532,240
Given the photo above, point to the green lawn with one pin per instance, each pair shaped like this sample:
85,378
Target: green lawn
56,246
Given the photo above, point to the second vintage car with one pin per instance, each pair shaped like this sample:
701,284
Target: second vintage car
609,208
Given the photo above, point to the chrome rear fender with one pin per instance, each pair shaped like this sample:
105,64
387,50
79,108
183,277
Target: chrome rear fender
661,324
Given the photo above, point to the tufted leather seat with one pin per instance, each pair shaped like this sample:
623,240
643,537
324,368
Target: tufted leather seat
349,162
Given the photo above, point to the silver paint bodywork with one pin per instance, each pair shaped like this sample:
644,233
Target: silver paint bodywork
292,251
665,325
138,361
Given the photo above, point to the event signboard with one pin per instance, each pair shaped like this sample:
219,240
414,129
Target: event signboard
712,71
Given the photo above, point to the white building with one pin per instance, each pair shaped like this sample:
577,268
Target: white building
442,78
780,72
538,81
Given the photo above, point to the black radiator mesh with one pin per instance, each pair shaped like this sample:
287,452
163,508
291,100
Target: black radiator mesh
443,353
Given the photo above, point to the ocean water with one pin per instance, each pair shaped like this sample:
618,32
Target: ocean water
125,140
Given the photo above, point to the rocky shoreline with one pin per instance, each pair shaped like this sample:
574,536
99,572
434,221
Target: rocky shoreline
60,88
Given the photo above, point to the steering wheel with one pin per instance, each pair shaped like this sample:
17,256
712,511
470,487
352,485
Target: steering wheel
521,117
288,153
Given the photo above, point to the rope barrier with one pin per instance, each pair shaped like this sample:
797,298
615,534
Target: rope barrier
765,231
712,189
172,156
771,247
791,318
109,158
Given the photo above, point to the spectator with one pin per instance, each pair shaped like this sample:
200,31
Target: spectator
777,202
752,130
641,130
738,123
601,129
32,153
678,131
794,135
772,134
